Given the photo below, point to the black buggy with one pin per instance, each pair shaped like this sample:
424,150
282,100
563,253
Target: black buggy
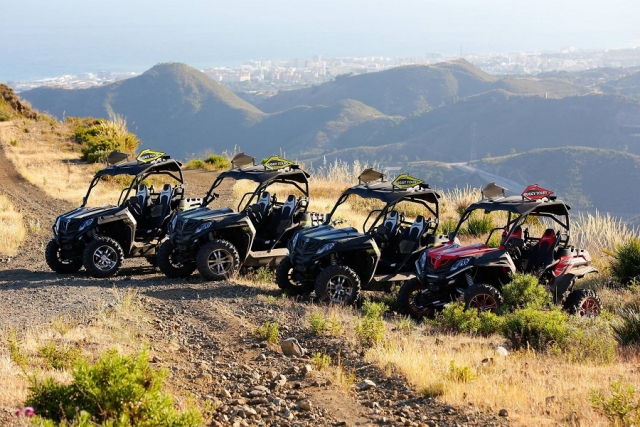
340,262
101,237
219,241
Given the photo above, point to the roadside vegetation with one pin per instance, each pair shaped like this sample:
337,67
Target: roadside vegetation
12,228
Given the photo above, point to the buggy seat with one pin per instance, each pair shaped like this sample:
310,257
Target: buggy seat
541,255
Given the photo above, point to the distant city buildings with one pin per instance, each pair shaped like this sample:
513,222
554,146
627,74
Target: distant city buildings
265,75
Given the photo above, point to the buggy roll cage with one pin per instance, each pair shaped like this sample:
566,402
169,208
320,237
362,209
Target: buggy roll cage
518,208
404,188
147,163
273,170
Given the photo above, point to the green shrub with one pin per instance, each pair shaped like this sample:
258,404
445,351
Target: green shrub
478,225
100,137
490,323
268,332
537,329
218,162
495,240
195,164
525,291
626,261
117,391
627,328
621,407
371,329
16,354
58,357
317,322
13,142
447,226
590,339
460,374
455,318
320,361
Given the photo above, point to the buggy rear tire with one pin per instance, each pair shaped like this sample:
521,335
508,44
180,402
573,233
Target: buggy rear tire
218,260
338,284
102,257
412,299
171,264
286,281
583,303
483,298
53,256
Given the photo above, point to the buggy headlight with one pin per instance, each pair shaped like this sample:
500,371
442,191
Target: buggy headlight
57,226
460,263
422,261
325,248
85,224
294,241
203,227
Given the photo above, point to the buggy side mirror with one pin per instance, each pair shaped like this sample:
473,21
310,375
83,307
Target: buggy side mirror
451,236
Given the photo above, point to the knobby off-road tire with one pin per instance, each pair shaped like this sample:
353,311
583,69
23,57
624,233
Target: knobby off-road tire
53,256
218,260
483,298
583,303
413,298
286,281
102,257
338,284
171,264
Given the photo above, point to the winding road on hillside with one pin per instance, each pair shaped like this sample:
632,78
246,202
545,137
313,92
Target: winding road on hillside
512,186
217,356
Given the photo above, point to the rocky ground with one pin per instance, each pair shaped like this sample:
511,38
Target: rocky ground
212,351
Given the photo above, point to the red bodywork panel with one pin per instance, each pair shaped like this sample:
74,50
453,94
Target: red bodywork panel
566,263
442,255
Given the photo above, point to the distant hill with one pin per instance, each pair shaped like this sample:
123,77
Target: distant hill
171,107
591,77
627,86
408,90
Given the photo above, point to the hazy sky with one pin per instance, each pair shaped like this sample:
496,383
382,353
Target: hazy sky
49,38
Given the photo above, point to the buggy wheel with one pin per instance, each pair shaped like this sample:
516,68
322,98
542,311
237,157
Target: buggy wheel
102,257
483,298
338,284
286,280
583,302
414,299
173,263
55,260
218,260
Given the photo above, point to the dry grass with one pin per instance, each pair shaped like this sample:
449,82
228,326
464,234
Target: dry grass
535,389
119,325
12,228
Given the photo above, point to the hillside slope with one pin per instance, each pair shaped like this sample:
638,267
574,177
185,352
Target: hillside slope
169,106
410,89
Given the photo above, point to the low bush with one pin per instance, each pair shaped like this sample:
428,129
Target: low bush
320,361
317,322
99,137
536,329
58,356
627,327
525,291
625,266
268,332
433,390
117,390
218,162
590,339
478,225
195,164
454,318
620,406
460,374
370,329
